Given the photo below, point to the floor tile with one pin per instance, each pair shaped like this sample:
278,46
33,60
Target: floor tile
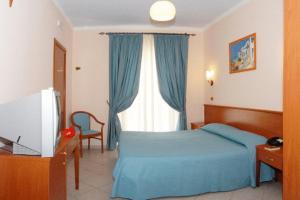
248,194
214,196
94,195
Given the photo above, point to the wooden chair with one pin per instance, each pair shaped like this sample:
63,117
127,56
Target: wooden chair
81,121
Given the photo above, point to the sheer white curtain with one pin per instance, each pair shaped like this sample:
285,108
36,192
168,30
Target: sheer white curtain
149,112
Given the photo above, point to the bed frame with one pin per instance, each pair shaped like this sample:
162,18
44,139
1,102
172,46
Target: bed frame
262,122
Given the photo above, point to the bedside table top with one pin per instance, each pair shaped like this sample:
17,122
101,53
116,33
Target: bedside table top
197,125
276,152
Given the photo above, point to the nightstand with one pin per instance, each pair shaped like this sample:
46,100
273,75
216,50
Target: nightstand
271,158
197,125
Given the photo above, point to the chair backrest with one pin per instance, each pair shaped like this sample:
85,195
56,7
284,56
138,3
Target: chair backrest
83,120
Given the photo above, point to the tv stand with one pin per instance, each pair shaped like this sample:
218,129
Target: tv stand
37,178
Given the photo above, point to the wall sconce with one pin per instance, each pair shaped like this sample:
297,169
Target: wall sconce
210,76
10,3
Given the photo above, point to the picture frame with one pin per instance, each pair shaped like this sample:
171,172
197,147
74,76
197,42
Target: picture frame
242,54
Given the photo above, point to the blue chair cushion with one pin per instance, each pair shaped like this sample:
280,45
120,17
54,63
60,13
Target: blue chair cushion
89,132
83,120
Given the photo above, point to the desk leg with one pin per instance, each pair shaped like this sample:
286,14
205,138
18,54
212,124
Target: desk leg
258,162
76,164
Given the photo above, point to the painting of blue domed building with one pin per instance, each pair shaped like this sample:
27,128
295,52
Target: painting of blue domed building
242,54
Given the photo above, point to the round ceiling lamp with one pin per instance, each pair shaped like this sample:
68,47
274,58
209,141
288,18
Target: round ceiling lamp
162,11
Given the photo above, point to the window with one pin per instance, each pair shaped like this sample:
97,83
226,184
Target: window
149,112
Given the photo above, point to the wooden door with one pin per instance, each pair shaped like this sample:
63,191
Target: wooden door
59,77
291,110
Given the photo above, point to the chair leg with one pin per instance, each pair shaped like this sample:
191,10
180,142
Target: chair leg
102,150
81,151
89,143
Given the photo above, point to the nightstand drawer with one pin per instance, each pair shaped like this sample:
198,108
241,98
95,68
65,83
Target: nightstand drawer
270,158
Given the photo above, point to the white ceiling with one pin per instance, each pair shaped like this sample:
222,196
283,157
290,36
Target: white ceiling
190,13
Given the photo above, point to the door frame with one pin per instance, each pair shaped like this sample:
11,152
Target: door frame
59,45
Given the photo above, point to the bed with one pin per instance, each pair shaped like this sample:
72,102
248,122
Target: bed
183,163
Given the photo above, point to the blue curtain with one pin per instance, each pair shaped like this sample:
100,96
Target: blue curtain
171,60
125,51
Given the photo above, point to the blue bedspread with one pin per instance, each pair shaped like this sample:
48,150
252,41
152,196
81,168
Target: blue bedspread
183,163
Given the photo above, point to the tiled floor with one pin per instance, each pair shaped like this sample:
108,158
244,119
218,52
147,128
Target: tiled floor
96,181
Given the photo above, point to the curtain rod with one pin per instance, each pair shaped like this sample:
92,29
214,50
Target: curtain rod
153,33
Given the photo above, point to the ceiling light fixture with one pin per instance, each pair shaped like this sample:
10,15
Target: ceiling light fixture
162,11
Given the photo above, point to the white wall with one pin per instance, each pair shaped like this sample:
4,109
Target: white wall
261,88
195,80
90,84
27,34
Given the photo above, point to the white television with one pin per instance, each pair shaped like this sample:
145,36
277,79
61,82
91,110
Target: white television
32,123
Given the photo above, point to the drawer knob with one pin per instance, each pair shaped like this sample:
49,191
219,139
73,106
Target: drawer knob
270,159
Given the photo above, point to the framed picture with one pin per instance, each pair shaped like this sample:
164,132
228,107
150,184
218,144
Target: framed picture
242,54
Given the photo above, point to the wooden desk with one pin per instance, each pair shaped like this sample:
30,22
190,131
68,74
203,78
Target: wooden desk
69,146
272,158
37,178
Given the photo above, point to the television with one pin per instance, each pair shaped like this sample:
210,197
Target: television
32,123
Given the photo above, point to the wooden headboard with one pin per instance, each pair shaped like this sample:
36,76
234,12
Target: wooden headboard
262,122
